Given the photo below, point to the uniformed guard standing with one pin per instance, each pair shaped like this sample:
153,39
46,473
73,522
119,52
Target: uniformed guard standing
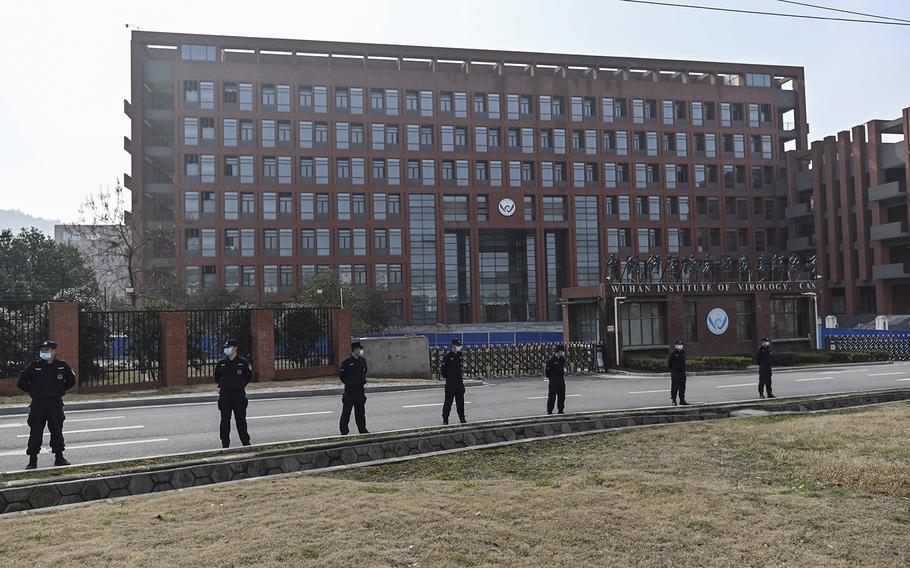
353,373
46,380
233,374
677,365
764,359
556,373
452,370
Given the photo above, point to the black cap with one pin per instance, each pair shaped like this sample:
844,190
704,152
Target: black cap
231,343
679,342
456,341
766,339
49,344
356,345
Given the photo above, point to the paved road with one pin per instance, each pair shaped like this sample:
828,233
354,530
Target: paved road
102,435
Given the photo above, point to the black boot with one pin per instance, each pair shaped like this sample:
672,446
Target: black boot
445,421
60,460
463,420
761,395
683,402
32,462
771,395
673,400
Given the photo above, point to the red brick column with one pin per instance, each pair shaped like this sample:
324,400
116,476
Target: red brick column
173,349
341,334
262,333
63,327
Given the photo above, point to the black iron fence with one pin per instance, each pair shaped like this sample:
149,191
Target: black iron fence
206,333
303,338
896,343
119,347
23,325
524,360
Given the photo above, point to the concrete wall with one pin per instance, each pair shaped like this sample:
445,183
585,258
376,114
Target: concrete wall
397,357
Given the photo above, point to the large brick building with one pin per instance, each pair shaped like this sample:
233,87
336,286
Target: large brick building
474,185
848,205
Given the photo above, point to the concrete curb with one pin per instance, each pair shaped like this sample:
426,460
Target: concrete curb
213,397
39,493
750,370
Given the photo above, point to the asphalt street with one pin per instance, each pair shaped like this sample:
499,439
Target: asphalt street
125,433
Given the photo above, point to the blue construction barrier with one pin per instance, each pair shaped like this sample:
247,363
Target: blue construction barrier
481,339
897,343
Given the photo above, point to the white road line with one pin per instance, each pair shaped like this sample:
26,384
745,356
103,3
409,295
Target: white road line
735,386
544,398
903,380
289,415
68,432
649,392
422,405
87,446
814,379
68,421
886,374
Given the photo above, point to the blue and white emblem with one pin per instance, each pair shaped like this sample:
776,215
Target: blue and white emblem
718,321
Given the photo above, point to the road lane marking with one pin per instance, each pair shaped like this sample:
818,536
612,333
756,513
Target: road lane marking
68,421
289,415
903,380
431,404
886,374
649,392
87,446
735,386
814,379
68,432
544,397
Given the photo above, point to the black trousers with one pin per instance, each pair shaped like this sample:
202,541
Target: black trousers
556,394
233,401
678,387
45,412
356,401
764,382
457,395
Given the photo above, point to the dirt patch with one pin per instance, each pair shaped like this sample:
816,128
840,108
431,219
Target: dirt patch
823,490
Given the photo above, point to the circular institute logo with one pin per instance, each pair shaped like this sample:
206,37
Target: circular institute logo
507,207
718,321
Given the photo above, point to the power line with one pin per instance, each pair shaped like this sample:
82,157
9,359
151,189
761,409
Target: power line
842,11
761,13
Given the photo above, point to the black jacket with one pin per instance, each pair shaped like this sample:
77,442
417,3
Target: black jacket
764,358
452,369
47,379
677,363
353,373
556,369
233,374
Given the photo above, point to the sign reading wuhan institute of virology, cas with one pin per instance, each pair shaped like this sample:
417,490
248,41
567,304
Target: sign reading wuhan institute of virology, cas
507,207
718,321
659,288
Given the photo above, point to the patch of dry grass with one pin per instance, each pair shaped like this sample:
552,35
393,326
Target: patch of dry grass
825,490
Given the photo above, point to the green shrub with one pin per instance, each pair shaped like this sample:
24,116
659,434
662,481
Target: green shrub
781,359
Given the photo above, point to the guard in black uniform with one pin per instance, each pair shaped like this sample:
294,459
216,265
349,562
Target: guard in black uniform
353,373
677,365
452,370
556,373
46,380
233,374
764,360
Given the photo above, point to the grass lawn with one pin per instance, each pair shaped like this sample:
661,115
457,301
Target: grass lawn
826,490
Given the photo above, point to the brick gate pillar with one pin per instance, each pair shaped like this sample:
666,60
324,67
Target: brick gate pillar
63,327
173,349
341,334
262,334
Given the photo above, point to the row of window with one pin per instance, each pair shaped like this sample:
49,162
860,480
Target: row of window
387,206
280,242
273,278
494,173
427,103
279,134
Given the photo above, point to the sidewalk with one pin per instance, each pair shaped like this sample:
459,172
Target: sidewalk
750,370
18,405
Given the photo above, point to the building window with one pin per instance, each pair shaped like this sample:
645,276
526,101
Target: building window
483,208
787,321
554,208
643,324
690,322
745,324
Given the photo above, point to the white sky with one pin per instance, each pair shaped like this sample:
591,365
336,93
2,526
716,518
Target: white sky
64,66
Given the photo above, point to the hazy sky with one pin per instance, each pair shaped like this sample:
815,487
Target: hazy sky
65,65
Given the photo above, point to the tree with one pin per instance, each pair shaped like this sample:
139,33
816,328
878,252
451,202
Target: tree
325,290
111,245
370,309
34,266
372,313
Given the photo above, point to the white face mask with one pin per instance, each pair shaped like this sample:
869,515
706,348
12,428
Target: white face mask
457,349
46,356
679,347
360,352
766,344
228,351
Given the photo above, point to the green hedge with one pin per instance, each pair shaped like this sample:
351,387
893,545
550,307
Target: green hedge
781,359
